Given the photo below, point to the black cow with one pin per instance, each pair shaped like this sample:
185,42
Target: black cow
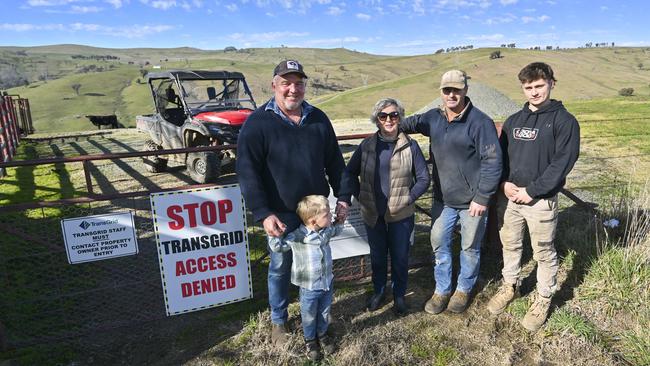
99,121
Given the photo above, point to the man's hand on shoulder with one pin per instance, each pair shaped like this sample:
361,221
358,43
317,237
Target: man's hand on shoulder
273,226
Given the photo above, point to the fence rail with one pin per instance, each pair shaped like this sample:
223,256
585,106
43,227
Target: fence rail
15,120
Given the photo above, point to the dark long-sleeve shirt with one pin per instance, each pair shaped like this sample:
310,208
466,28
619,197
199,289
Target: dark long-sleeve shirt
466,155
279,163
540,148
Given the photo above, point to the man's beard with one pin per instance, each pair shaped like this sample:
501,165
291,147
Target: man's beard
292,105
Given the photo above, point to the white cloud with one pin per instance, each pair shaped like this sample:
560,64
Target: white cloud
418,43
539,19
116,3
604,8
508,2
26,27
84,9
505,18
457,4
163,4
252,38
334,10
418,7
133,31
51,2
232,7
486,37
363,16
332,42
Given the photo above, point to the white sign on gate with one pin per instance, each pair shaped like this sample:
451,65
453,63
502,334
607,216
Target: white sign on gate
98,237
202,247
353,240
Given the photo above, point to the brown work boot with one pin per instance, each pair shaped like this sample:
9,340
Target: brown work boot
506,293
313,350
536,315
327,343
279,335
436,304
459,301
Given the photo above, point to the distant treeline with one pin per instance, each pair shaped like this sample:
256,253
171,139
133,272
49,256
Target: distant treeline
455,48
95,57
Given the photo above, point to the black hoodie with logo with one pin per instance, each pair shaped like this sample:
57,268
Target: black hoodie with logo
540,148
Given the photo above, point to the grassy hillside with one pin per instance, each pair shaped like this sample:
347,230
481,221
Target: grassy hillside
344,83
600,314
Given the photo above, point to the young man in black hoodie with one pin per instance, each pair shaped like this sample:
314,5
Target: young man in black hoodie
540,145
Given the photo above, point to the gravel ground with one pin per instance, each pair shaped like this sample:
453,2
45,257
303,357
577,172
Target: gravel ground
489,100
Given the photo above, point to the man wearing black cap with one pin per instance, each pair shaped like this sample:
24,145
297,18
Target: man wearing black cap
287,149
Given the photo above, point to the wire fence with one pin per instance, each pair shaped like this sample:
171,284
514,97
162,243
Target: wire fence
46,299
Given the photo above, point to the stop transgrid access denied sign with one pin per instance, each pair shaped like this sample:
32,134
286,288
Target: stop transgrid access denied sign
202,247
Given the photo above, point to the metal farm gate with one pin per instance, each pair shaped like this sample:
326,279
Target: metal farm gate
45,299
15,121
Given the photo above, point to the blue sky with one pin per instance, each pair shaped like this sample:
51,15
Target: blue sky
374,26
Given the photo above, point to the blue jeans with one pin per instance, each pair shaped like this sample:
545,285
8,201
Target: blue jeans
444,220
315,308
278,284
394,237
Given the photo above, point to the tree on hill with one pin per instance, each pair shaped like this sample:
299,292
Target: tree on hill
626,92
494,55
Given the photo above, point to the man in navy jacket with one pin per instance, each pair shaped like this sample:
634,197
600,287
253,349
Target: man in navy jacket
466,172
541,144
287,149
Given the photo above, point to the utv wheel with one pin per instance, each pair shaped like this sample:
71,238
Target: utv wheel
204,166
154,164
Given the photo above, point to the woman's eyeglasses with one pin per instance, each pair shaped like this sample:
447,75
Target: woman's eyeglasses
394,116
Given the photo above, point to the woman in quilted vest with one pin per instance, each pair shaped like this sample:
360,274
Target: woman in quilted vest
387,173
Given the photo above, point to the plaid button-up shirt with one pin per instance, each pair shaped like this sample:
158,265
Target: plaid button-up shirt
312,257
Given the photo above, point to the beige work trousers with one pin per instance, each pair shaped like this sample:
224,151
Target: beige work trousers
540,216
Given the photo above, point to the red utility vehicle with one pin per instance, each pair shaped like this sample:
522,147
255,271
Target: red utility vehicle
196,108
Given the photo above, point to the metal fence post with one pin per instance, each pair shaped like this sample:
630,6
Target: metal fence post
89,183
5,152
12,131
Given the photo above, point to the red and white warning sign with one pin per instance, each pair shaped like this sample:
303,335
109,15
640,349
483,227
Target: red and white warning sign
202,247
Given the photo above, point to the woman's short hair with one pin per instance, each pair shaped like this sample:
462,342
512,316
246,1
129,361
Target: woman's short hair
312,205
383,103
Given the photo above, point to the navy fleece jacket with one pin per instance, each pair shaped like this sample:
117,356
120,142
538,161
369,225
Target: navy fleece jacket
278,163
466,155
540,148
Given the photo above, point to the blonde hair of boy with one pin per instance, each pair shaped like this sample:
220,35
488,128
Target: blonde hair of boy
312,205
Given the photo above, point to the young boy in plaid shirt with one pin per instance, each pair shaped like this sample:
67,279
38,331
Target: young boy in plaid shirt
311,270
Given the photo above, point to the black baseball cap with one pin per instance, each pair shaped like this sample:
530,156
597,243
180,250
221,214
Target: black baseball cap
288,67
